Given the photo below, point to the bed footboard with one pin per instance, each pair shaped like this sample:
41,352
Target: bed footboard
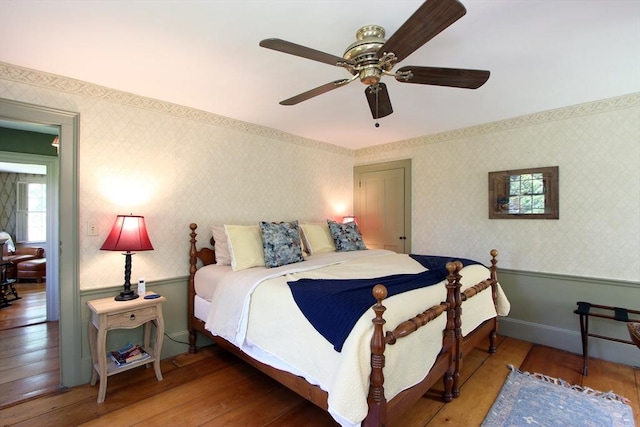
466,344
377,415
491,282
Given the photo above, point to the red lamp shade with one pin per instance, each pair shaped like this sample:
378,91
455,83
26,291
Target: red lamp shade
129,233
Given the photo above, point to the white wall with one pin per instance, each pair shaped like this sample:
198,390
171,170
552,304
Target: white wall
596,146
592,253
176,165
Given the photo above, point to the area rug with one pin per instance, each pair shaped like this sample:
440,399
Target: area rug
538,400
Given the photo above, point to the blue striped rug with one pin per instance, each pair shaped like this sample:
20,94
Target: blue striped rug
538,400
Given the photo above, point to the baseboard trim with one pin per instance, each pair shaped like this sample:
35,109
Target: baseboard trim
570,341
570,279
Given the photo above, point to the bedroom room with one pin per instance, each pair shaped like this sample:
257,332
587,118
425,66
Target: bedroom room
126,149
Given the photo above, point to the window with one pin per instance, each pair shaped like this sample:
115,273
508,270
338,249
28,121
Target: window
524,193
31,212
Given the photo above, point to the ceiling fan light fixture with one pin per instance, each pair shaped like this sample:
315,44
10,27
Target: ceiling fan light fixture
364,52
368,40
370,75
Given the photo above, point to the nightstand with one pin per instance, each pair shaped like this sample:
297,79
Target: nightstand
108,314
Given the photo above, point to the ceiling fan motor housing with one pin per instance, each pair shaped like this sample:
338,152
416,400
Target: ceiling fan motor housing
363,51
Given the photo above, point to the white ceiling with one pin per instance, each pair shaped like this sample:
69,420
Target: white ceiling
542,54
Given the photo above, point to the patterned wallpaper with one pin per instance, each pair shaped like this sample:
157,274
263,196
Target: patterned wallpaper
597,148
177,165
8,202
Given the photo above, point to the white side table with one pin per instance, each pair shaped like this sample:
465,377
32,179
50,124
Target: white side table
108,314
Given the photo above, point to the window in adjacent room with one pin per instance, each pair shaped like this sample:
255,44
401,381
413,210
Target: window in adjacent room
31,212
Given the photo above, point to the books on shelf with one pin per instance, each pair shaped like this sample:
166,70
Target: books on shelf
128,354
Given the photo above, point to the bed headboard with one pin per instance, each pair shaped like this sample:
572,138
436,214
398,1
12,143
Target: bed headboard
205,254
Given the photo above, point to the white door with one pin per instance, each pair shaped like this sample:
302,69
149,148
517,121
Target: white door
382,205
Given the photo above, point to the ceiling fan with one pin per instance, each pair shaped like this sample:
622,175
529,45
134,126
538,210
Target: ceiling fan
371,56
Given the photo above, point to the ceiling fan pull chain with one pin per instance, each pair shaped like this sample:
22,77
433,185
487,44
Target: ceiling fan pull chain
377,89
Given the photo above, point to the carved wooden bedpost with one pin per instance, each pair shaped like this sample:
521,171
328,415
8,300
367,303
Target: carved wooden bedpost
377,403
494,295
458,329
191,293
449,332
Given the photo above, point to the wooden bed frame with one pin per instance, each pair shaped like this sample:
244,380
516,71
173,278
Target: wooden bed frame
447,365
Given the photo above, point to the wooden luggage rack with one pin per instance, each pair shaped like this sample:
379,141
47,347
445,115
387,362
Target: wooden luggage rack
619,314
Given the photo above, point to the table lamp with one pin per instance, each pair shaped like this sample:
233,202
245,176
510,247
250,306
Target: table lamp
129,233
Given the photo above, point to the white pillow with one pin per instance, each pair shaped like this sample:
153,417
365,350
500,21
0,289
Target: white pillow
8,244
317,238
245,246
223,257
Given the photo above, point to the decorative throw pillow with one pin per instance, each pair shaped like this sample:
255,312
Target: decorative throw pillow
281,243
220,246
346,236
245,246
317,238
8,244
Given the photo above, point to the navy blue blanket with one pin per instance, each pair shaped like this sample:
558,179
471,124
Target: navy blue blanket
333,306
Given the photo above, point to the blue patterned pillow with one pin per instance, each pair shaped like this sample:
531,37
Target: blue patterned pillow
281,243
347,236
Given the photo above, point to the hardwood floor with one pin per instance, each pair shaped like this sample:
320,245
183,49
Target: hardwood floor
213,388
28,310
29,362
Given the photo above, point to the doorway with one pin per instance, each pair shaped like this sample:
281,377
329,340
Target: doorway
382,204
21,163
64,234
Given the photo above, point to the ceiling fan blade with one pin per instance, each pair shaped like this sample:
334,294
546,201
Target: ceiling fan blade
379,102
452,77
315,92
302,51
428,21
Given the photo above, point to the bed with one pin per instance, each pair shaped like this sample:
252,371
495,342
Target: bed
371,373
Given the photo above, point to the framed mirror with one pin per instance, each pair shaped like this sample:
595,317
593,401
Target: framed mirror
524,194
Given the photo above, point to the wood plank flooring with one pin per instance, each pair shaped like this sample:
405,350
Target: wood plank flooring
29,362
28,310
213,388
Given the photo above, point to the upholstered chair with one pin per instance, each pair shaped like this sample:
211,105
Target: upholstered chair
15,255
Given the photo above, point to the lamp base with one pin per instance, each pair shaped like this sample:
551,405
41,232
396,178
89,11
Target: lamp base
126,296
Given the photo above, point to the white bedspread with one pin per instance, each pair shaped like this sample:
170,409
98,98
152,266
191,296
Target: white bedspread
255,310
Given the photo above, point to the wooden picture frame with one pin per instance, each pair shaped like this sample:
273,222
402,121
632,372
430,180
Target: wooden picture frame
524,193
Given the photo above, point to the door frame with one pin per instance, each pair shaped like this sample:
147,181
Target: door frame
377,167
67,231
